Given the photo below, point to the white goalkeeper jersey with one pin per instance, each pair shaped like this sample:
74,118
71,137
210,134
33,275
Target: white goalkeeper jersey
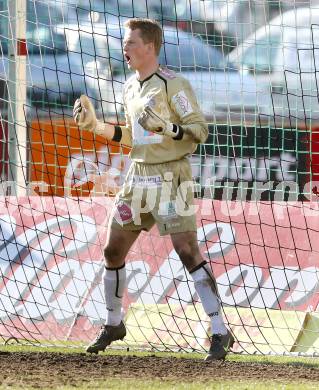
173,98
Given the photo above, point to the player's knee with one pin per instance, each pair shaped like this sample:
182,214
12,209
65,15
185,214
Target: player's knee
112,255
185,254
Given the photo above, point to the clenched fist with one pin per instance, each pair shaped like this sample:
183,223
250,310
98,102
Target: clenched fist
84,114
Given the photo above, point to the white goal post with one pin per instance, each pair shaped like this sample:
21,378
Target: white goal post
17,87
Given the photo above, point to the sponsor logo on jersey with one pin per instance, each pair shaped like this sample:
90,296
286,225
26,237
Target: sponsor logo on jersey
182,104
144,137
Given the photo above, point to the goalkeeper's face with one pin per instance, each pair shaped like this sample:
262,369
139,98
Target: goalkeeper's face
137,53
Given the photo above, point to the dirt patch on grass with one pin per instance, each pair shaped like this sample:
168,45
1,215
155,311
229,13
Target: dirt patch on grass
50,370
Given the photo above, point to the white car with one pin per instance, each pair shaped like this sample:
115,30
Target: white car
223,93
48,68
103,70
283,59
65,61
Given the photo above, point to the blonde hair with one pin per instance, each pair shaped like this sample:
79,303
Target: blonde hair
151,31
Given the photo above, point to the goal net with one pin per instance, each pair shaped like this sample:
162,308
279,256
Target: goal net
254,68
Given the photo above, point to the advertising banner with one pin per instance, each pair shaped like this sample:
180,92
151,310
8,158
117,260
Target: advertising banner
228,166
264,257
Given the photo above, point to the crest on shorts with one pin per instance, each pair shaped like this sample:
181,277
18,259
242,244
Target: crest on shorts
167,210
123,213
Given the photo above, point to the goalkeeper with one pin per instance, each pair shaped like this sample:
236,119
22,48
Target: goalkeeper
163,127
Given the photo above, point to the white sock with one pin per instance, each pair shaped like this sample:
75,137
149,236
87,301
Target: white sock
114,285
206,288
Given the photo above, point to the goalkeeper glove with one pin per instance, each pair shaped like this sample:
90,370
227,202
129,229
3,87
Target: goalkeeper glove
84,114
151,121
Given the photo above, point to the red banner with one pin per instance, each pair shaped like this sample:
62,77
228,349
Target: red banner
264,255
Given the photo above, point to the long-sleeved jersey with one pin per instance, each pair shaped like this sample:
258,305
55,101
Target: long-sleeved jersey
172,97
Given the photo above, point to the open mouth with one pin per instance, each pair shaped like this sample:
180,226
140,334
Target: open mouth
127,58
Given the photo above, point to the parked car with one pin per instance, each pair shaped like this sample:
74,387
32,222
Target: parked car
222,92
238,19
104,70
283,59
47,65
55,77
67,60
